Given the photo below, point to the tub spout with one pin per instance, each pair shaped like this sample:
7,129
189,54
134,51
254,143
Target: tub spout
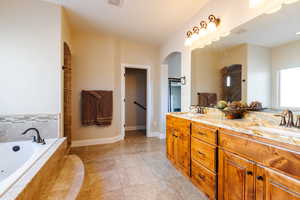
37,138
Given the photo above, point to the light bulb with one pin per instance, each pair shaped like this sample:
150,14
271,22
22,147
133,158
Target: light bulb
255,3
211,26
188,42
202,32
290,1
195,37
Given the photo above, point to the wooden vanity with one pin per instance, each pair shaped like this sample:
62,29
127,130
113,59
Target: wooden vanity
230,165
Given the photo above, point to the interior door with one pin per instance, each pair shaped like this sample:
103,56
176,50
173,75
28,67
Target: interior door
236,177
271,185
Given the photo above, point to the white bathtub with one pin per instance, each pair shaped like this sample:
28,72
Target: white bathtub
14,164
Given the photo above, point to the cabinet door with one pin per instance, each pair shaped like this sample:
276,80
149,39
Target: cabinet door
184,143
236,177
271,185
170,143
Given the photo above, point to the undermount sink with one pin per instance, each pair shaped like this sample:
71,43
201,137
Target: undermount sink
276,131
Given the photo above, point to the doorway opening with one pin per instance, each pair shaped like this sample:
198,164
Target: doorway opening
67,70
136,104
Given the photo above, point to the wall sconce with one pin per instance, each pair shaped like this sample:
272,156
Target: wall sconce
202,30
183,80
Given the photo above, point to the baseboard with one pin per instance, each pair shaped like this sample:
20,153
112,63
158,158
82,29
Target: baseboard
134,128
80,143
154,134
162,136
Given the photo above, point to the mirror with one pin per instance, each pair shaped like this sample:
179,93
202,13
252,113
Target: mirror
258,61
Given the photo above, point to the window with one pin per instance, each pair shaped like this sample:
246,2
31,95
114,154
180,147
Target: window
289,91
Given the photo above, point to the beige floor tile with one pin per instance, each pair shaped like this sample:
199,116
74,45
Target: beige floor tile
133,169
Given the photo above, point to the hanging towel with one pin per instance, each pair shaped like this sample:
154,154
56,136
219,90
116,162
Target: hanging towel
207,99
96,107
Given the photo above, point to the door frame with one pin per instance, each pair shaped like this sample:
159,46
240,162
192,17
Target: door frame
149,97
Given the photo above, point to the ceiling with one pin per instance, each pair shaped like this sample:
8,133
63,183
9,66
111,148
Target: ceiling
266,30
150,21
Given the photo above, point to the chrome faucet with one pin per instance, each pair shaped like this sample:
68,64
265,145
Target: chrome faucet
38,139
290,115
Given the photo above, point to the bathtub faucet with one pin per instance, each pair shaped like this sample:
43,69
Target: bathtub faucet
36,138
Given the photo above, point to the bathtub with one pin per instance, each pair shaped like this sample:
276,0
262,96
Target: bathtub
16,158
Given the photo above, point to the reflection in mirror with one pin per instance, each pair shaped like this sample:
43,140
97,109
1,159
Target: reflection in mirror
259,61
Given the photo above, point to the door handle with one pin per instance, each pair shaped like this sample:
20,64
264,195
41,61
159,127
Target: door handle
202,154
249,173
260,178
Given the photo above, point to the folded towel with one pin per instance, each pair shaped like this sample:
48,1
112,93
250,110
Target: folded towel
96,107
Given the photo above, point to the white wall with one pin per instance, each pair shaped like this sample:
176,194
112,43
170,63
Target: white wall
30,57
205,73
259,79
174,65
283,57
97,62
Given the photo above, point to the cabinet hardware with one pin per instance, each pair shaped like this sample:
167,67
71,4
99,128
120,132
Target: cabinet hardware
200,133
260,178
201,177
199,152
249,173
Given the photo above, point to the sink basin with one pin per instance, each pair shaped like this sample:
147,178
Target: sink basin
276,131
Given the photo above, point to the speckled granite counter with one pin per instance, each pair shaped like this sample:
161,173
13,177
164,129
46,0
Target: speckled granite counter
250,125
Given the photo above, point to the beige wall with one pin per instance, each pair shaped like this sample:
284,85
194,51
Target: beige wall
97,65
135,90
235,55
205,73
30,57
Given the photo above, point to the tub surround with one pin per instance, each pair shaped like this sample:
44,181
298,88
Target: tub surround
35,180
246,158
12,126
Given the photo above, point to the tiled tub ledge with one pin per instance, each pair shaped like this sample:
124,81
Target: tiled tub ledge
31,185
68,184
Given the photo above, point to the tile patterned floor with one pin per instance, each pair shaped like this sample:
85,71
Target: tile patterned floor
133,169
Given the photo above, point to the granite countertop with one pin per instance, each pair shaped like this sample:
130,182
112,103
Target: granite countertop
250,127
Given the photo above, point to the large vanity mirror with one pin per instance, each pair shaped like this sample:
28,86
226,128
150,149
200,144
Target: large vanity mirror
258,61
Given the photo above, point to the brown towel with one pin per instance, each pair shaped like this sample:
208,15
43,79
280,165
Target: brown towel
207,99
97,108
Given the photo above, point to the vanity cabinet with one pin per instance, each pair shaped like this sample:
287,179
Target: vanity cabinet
229,165
255,170
178,143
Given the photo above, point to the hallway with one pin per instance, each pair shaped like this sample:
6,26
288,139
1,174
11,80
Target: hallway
133,169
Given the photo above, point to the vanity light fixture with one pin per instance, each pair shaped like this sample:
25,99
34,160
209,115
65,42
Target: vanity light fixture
298,33
202,30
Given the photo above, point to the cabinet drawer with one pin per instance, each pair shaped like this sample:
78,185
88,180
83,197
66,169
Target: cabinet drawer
204,132
204,180
203,153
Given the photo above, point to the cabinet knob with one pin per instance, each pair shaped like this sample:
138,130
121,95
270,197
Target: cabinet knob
249,173
260,178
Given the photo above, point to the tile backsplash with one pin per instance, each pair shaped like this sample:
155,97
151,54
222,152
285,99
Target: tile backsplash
12,126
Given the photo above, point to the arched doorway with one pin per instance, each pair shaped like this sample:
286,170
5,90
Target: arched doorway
67,93
170,85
